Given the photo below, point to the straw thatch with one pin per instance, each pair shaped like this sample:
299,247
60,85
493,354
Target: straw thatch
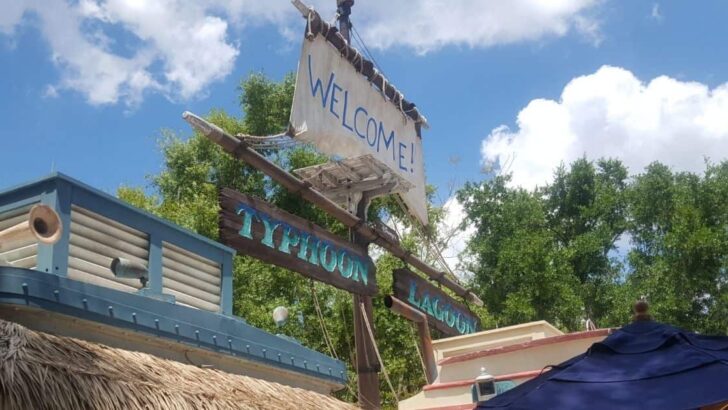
42,371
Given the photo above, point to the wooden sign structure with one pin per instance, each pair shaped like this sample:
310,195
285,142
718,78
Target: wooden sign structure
339,111
256,228
445,313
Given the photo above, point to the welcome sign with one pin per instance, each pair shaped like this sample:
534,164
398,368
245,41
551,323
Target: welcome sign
344,115
256,228
443,312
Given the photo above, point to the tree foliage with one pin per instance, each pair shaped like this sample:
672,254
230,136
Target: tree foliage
552,253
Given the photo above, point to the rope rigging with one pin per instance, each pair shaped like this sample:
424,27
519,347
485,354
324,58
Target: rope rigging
327,337
376,349
434,248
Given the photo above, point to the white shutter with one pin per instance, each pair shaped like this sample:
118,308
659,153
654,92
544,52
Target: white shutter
25,254
193,280
95,241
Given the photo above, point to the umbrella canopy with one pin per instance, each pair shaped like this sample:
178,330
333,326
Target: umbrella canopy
644,365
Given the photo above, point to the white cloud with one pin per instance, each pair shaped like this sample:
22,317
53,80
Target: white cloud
116,50
611,113
177,48
12,12
429,25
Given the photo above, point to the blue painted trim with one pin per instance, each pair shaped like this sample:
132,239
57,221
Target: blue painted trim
155,264
215,332
60,200
12,205
226,295
22,191
45,252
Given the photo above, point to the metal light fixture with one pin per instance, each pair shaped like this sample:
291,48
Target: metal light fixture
485,385
125,268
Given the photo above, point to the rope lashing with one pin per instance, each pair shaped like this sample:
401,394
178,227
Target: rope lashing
401,108
309,18
358,59
345,48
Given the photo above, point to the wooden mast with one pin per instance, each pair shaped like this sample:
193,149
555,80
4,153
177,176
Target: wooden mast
367,365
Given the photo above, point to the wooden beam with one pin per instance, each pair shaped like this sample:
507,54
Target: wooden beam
243,152
418,318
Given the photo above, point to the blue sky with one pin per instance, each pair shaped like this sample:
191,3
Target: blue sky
87,85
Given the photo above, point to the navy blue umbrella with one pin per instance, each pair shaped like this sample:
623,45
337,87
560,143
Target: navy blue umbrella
644,365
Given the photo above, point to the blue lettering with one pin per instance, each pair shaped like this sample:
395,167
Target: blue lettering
334,100
327,256
382,136
290,238
245,230
435,310
348,270
314,259
374,141
361,268
425,306
356,122
460,326
343,116
270,228
412,157
401,156
303,248
318,85
412,299
451,319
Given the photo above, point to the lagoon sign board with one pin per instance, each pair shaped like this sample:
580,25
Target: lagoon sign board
342,114
443,312
256,228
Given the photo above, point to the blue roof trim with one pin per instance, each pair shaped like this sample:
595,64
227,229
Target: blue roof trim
215,332
78,184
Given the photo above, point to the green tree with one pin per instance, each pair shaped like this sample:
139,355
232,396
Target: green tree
587,212
519,271
680,234
550,253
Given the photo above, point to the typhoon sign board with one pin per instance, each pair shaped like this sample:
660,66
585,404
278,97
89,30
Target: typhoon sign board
343,115
256,228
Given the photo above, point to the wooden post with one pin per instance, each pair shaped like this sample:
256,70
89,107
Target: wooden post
367,365
343,7
419,319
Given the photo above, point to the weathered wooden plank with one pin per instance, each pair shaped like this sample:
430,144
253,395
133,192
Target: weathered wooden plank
257,228
443,312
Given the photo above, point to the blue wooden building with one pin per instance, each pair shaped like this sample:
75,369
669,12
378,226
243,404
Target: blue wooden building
183,313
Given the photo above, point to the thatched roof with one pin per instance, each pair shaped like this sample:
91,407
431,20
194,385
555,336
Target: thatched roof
42,371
